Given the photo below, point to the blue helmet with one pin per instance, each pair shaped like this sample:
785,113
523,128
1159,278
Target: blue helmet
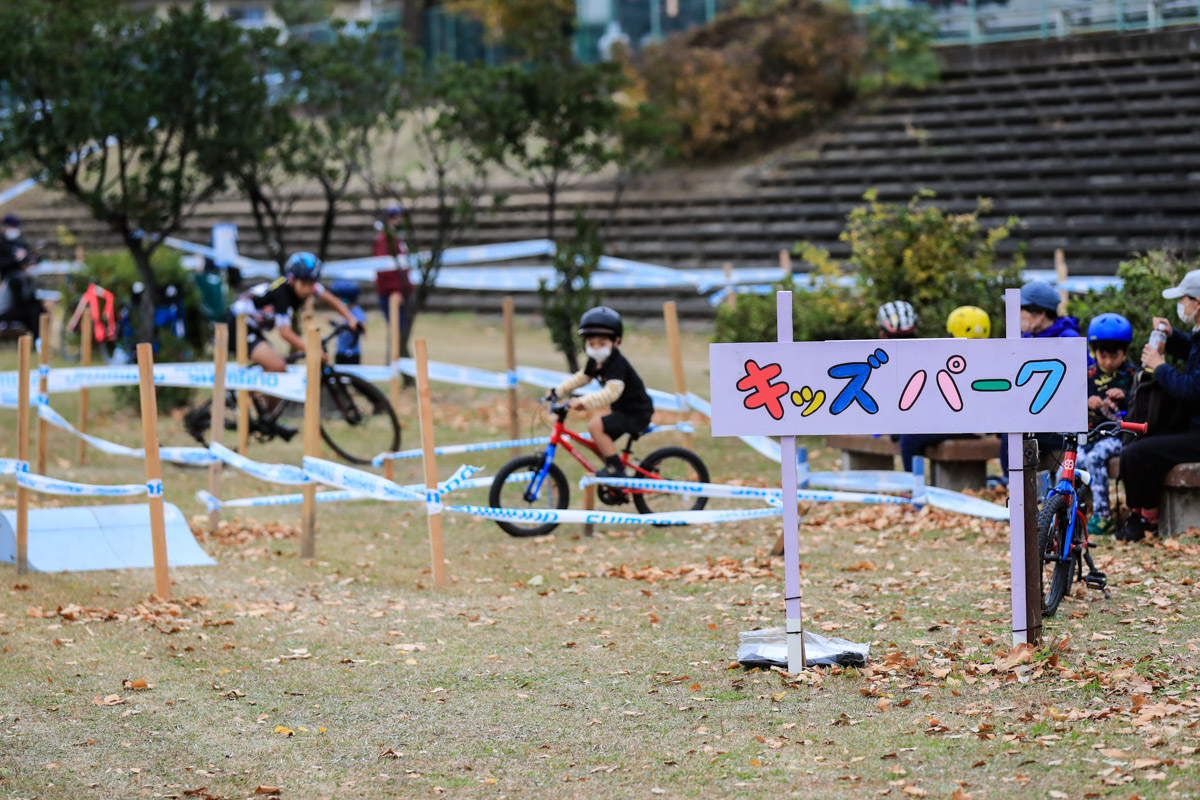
1109,328
304,266
346,290
1040,294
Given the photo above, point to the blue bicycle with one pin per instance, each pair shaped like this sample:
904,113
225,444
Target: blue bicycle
1063,523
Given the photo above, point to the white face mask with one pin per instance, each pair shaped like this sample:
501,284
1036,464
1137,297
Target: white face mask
599,354
11,233
1183,316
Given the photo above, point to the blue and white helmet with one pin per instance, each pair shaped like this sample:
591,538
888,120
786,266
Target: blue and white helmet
304,266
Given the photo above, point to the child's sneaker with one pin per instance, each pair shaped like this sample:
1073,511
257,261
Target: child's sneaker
611,472
1135,529
1100,526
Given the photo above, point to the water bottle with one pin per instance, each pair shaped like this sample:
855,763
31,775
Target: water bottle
1158,339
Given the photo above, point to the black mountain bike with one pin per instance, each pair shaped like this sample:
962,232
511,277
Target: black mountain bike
357,420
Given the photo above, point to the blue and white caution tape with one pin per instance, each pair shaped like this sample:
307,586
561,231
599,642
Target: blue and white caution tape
284,474
452,373
177,455
342,496
964,504
614,518
338,496
481,447
289,386
862,480
46,485
742,492
356,480
12,466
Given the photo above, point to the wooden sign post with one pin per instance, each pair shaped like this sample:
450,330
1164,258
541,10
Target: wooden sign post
85,360
510,362
312,437
731,298
425,414
393,354
243,397
672,319
217,422
43,386
24,345
158,528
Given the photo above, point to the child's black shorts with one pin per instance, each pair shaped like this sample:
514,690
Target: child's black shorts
618,424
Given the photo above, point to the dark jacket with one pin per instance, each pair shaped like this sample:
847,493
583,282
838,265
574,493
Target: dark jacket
1183,386
1062,327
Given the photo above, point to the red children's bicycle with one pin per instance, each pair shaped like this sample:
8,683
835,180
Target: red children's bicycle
536,482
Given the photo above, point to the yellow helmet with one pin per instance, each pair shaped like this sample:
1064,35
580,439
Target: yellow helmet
969,322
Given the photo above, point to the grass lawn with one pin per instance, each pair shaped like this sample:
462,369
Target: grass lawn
547,670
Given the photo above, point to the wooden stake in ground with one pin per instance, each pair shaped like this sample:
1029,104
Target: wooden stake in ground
791,516
389,466
24,345
785,263
589,504
85,360
312,438
243,396
158,528
217,423
1060,272
510,363
425,414
43,386
672,319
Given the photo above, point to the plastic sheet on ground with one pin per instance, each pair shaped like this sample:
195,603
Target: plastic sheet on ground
768,648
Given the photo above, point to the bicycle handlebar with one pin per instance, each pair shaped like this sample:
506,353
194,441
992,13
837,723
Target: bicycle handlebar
1116,426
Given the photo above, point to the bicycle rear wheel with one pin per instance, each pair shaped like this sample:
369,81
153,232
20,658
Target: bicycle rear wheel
1056,574
670,464
552,494
357,420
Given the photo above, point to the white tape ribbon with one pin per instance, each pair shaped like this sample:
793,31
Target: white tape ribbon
46,485
356,480
284,474
12,466
154,488
612,518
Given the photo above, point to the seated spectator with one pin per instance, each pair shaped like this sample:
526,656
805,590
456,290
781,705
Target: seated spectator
349,343
13,248
1110,382
965,322
19,303
1144,463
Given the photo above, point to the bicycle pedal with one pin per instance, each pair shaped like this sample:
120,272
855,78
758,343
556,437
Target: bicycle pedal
610,496
1097,580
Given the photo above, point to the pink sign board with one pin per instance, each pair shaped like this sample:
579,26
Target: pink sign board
877,386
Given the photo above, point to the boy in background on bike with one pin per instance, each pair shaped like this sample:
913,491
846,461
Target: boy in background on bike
270,306
349,343
622,390
1110,382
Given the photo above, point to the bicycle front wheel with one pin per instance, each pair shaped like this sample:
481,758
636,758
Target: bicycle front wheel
670,464
1056,573
515,493
357,420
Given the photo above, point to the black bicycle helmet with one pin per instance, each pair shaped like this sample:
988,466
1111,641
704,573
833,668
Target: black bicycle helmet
601,320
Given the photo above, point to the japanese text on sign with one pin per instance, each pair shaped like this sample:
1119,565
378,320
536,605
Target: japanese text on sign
899,386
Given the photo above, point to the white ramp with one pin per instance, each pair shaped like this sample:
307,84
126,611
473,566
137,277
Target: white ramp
99,537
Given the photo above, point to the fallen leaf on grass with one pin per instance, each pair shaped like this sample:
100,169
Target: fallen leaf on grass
268,790
137,683
108,700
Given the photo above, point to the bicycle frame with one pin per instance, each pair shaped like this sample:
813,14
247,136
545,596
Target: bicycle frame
1066,485
562,435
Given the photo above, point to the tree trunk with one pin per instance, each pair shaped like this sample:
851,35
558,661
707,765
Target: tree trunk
552,197
327,221
145,318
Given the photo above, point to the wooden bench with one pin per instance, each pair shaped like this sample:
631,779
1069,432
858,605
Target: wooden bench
1180,500
955,464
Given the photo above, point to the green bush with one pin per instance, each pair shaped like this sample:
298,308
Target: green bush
1145,275
919,253
116,272
827,312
